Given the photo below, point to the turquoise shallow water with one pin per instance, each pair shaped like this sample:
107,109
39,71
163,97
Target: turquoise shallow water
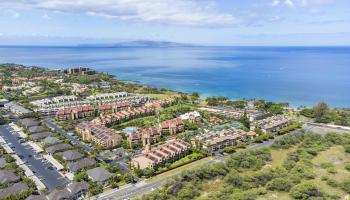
299,75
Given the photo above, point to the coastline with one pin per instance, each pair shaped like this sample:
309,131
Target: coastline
272,73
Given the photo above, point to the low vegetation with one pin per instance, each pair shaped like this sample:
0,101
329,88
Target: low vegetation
292,174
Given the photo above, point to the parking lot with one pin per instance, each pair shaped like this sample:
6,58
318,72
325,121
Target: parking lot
40,166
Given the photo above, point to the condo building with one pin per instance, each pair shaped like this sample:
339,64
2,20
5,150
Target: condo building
75,112
49,106
171,151
147,136
98,134
217,140
172,126
273,124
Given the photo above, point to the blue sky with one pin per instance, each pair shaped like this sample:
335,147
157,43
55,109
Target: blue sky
215,22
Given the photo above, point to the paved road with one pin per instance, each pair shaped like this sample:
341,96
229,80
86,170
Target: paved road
323,128
39,166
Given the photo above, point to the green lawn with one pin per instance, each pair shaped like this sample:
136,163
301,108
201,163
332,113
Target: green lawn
178,170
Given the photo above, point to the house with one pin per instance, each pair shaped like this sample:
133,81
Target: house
16,109
171,151
80,164
71,155
192,117
73,113
147,136
99,175
14,189
172,126
99,134
8,177
48,141
74,190
39,136
36,129
28,122
77,189
57,148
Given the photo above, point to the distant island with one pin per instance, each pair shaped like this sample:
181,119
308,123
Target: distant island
139,43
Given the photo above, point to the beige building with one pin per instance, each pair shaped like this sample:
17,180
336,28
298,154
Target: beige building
98,134
172,126
273,124
147,136
217,140
171,151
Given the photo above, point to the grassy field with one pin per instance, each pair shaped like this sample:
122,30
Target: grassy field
279,155
337,157
209,188
275,196
163,96
178,170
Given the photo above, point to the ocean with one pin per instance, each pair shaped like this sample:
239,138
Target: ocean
298,75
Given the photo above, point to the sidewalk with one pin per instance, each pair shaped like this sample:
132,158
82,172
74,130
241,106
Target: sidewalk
29,173
54,162
36,147
18,130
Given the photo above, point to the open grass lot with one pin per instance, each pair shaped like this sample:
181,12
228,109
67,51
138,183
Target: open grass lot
275,196
210,188
163,96
178,170
337,157
279,156
303,166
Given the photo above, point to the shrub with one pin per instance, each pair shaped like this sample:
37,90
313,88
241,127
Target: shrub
187,193
332,170
305,190
229,149
347,166
280,184
332,182
347,148
346,186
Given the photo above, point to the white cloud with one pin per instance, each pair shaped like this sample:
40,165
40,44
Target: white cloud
11,13
46,16
179,12
303,3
